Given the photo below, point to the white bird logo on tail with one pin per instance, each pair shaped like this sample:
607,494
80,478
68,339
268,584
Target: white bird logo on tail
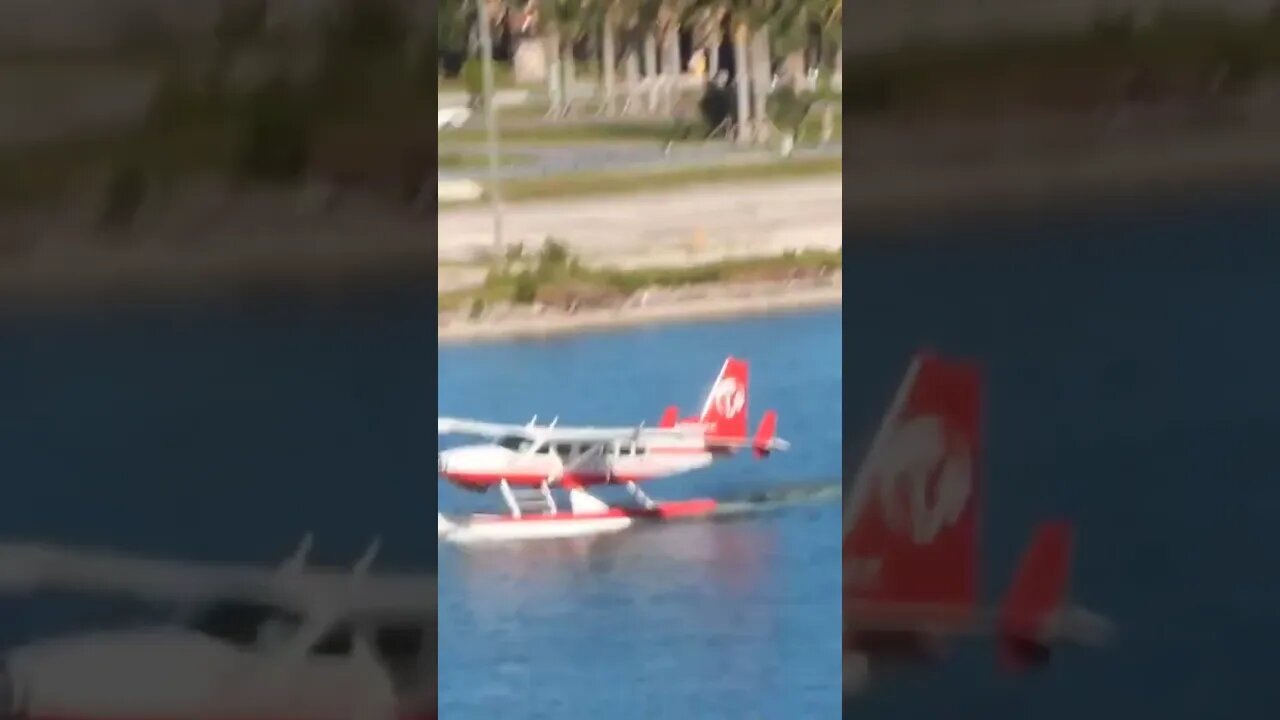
935,479
728,398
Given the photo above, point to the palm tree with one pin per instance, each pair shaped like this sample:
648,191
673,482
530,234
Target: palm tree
563,22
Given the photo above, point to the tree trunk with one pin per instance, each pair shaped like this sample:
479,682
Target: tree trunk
672,54
797,70
608,63
569,81
651,69
631,68
762,80
742,81
555,90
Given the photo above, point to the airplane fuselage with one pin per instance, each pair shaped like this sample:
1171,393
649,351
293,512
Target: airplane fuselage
525,464
169,673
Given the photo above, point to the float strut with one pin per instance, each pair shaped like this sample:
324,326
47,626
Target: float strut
505,487
639,495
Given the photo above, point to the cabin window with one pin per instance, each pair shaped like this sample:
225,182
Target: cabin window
543,449
641,450
564,450
245,624
337,641
399,644
517,444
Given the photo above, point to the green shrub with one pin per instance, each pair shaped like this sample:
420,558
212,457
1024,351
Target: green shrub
717,105
276,140
526,289
554,257
473,79
126,190
868,92
787,108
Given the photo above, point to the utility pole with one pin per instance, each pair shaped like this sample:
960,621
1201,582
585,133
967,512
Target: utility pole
490,118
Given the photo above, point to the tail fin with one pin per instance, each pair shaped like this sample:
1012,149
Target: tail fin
725,409
911,517
1037,594
670,417
766,436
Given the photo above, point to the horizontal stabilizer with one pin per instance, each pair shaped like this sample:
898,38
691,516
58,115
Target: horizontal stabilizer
766,437
669,417
1036,598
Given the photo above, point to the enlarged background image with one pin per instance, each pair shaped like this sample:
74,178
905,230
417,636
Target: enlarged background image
214,319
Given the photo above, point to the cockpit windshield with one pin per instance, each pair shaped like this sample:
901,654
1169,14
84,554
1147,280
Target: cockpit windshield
518,444
245,624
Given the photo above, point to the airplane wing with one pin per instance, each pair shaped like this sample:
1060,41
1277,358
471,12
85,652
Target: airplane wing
31,568
474,428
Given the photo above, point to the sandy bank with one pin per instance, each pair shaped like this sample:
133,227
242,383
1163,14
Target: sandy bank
719,303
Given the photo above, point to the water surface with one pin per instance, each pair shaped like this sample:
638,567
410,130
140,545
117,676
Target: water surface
731,619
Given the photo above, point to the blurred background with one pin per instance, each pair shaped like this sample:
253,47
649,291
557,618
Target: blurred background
214,274
1081,197
226,139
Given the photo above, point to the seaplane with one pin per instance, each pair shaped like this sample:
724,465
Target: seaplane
911,543
526,463
289,642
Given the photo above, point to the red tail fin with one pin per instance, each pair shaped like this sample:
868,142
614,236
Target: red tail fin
1038,591
911,518
763,443
725,409
669,417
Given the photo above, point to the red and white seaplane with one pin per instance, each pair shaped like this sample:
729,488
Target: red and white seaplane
291,643
911,542
527,462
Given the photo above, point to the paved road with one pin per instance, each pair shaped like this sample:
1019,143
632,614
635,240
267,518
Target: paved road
690,225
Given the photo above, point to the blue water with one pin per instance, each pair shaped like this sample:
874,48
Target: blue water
733,619
1133,386
215,433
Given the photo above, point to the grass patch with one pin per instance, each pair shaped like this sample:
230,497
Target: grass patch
608,183
503,79
466,161
585,132
554,277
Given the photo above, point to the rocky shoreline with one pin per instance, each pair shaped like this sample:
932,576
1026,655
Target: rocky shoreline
706,303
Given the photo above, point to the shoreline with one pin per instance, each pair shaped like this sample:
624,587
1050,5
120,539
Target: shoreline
151,275
777,300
